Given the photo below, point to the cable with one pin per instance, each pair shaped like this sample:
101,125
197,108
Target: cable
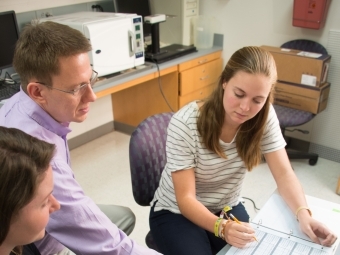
4,80
255,208
300,130
8,79
160,86
97,7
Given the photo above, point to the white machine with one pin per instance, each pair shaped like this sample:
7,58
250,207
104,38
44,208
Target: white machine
177,29
116,38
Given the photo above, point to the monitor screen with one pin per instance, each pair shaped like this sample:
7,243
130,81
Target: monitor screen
140,7
9,34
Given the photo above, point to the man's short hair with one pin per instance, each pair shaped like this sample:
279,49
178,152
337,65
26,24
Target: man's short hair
40,46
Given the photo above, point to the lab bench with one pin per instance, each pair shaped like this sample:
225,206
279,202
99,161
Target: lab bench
136,94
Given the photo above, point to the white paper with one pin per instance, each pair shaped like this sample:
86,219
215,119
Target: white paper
276,214
308,80
276,243
278,231
309,54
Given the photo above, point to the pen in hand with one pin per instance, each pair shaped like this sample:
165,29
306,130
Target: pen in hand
238,222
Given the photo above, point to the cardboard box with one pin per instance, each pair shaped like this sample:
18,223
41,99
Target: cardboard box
301,97
300,67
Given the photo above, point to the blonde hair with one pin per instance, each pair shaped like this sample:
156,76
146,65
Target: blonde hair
252,60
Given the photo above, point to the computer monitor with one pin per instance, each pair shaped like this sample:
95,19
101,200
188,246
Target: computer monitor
9,34
140,7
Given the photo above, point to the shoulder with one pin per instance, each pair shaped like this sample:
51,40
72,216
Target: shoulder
271,113
183,124
272,117
188,113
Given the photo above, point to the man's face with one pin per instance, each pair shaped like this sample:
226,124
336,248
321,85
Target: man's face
64,107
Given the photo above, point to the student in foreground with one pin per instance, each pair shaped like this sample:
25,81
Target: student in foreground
26,199
210,147
56,89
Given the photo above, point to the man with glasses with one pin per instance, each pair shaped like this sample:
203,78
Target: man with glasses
56,89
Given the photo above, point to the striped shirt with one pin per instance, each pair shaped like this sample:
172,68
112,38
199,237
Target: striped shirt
218,181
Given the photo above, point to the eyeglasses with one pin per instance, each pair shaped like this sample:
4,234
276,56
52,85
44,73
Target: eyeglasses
78,91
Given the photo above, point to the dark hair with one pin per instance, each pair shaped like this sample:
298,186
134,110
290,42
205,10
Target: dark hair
252,60
23,162
40,46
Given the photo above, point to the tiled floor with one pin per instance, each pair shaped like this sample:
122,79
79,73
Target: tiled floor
102,169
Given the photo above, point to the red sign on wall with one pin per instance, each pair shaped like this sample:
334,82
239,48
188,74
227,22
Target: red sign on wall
310,13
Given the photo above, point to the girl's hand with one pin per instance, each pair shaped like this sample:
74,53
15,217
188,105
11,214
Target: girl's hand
316,231
238,235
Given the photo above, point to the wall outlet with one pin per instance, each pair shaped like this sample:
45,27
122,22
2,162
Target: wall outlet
43,13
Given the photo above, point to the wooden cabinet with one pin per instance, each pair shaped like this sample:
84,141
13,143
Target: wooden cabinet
198,77
142,98
182,82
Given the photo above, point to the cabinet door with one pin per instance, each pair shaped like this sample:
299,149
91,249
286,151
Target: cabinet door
199,61
200,76
196,95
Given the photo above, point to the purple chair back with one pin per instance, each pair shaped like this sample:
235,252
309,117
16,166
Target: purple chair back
147,156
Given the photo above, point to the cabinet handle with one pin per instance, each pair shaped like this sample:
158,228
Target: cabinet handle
205,77
202,61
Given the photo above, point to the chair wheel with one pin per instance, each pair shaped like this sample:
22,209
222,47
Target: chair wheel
313,161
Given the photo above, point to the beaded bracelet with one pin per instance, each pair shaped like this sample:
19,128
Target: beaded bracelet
224,223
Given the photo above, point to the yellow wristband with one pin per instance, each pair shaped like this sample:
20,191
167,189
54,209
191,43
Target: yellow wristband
216,226
301,208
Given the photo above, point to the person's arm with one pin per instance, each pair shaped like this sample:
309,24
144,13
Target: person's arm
291,190
185,190
80,225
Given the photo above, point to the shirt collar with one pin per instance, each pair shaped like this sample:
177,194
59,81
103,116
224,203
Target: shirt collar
32,109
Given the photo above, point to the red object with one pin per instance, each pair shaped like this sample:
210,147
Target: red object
310,13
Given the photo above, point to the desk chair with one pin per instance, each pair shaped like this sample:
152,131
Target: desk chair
289,117
147,160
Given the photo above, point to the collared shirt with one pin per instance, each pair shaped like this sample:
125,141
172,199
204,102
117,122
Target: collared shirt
79,224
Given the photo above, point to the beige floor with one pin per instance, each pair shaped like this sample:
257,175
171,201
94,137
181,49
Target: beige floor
102,169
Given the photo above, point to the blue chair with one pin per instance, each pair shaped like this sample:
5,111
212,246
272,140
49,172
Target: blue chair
147,160
289,117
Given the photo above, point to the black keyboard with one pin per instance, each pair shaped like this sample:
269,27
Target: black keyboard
8,90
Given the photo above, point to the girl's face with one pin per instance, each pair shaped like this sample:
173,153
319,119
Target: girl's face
244,96
29,225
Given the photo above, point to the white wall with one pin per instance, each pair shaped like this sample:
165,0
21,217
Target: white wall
30,5
269,22
243,23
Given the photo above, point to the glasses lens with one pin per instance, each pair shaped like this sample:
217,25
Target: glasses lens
94,78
